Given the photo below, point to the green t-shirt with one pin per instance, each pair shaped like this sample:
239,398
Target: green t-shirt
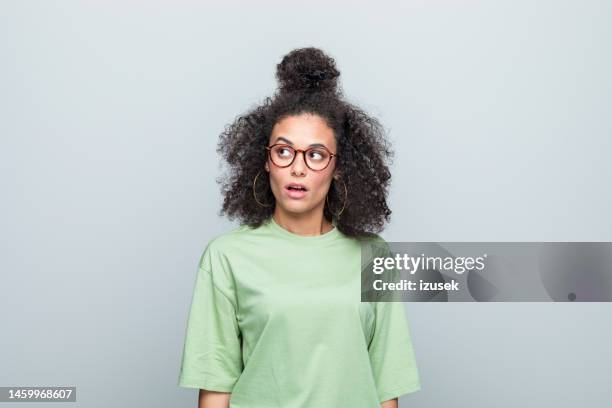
277,320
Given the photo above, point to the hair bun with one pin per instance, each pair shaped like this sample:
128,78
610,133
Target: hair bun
307,69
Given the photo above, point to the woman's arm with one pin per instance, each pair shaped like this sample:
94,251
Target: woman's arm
213,399
392,403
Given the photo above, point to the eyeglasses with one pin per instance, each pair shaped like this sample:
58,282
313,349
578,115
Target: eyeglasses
316,158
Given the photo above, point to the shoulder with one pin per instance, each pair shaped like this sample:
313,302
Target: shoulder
227,238
216,256
373,245
225,243
371,239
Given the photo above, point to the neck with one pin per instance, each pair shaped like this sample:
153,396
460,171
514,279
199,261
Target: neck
306,224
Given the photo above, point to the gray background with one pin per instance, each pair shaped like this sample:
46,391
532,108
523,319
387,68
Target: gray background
110,111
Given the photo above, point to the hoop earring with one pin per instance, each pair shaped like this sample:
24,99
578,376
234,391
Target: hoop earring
343,205
254,195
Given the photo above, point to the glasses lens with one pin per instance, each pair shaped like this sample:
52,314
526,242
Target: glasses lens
282,155
317,159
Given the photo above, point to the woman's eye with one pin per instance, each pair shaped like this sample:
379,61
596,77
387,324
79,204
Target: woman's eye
283,152
316,155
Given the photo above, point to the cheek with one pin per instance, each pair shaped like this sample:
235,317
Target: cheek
277,179
321,185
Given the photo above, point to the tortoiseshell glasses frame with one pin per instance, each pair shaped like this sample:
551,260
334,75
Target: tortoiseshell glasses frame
312,163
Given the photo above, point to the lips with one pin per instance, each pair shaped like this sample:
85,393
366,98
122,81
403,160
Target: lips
296,187
296,190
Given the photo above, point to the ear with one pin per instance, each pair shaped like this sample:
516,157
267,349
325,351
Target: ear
267,167
336,175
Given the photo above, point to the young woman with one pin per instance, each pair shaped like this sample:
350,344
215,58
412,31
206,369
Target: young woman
276,319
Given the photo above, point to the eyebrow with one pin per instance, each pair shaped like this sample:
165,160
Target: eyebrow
279,138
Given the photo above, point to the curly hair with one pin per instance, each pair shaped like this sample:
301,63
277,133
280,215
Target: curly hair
307,80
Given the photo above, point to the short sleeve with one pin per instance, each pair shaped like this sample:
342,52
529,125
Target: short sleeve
212,356
391,352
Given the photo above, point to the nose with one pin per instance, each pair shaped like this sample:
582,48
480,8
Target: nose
298,166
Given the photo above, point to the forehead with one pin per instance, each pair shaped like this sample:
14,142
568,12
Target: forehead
303,131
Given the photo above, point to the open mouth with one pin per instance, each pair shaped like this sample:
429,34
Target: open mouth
296,188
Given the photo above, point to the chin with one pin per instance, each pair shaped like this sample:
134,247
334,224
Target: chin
296,207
